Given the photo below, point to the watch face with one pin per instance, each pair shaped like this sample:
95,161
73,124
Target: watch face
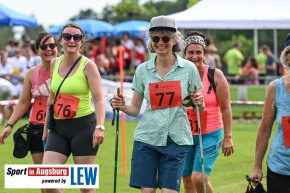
102,127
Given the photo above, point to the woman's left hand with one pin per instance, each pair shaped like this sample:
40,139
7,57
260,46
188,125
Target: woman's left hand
98,137
227,146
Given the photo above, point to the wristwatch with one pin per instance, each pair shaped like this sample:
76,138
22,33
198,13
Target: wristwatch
102,127
9,125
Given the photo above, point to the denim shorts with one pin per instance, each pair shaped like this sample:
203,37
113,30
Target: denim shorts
211,143
157,166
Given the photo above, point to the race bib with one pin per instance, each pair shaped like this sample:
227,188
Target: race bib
192,118
286,130
66,106
38,111
165,94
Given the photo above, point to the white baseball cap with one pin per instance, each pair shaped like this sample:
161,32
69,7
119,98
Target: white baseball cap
163,22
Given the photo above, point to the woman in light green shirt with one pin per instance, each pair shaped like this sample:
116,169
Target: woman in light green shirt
163,133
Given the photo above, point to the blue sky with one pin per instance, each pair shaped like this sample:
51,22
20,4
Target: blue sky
53,12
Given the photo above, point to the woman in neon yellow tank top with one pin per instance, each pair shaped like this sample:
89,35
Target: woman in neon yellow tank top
78,129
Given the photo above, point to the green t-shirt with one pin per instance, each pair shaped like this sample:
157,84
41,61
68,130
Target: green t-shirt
261,59
233,58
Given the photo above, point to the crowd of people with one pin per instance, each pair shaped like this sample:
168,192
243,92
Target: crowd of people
188,116
105,53
255,69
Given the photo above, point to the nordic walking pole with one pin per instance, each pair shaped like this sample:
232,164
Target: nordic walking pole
116,147
200,144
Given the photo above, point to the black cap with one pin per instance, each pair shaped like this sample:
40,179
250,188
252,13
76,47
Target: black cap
287,42
21,142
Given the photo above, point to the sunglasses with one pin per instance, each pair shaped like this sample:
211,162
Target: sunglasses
76,37
44,46
156,39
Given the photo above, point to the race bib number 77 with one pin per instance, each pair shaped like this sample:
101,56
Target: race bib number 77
165,94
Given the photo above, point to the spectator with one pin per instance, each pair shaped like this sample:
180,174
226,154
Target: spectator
129,45
261,59
6,70
11,46
250,73
5,93
212,58
103,64
140,53
19,65
234,58
270,65
114,57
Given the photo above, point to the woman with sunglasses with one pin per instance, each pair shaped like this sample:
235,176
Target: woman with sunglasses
78,130
36,86
163,133
215,118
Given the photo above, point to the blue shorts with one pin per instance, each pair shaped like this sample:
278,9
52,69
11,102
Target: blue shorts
211,143
157,166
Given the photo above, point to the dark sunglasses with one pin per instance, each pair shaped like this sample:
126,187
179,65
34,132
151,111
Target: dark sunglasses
44,46
76,37
156,39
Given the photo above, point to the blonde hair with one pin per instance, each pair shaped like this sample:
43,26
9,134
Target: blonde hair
285,54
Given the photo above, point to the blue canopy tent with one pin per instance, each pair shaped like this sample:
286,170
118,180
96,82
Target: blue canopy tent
133,27
9,17
92,28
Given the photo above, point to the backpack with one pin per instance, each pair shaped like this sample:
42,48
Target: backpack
210,77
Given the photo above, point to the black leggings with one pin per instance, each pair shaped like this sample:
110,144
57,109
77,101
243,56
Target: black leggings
277,183
73,136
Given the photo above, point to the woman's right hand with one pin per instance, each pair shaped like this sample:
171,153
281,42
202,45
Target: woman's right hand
4,134
118,102
257,174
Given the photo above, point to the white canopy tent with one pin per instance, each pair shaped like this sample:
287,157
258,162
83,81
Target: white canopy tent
236,14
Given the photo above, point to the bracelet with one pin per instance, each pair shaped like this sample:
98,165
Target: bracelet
9,125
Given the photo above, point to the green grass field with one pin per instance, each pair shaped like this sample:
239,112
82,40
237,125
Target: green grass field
228,175
254,93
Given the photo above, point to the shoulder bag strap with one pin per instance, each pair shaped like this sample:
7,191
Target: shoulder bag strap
74,64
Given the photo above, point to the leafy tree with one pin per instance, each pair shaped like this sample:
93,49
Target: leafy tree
6,33
85,14
192,2
247,48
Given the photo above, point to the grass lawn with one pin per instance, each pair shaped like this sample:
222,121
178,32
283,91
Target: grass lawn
254,93
228,175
